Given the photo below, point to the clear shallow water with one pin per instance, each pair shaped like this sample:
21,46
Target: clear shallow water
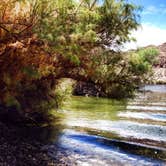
95,131
140,123
95,150
144,115
152,108
154,88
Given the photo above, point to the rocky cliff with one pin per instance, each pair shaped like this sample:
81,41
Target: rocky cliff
162,56
160,67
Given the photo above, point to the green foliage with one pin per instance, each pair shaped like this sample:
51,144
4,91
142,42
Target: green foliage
148,54
142,60
75,27
119,74
117,20
63,91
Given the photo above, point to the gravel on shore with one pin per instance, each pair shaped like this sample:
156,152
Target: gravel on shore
17,150
159,76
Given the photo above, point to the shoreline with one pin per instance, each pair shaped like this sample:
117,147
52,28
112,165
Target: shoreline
159,76
20,150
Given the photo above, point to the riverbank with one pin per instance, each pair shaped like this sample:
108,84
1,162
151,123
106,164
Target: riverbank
93,131
20,149
159,76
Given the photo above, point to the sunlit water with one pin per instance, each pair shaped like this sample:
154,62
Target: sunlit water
108,132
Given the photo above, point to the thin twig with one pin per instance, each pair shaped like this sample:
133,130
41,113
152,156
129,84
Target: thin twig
5,29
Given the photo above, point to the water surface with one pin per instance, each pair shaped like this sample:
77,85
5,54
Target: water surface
97,131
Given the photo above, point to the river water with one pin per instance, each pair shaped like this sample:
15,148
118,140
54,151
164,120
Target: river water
96,131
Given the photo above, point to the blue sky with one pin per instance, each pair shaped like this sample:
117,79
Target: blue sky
153,23
154,11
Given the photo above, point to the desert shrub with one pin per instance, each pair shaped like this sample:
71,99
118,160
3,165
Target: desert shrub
142,60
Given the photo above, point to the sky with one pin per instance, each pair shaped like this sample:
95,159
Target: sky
153,24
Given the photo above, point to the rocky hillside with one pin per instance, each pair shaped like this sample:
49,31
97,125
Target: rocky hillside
162,56
160,66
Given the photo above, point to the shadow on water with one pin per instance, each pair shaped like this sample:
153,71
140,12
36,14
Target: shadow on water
122,146
84,148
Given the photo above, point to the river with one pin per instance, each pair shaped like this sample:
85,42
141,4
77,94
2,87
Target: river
97,131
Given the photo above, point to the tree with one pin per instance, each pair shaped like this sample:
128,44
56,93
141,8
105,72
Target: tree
45,40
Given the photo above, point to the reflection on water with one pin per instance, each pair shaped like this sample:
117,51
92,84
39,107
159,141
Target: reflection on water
108,132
